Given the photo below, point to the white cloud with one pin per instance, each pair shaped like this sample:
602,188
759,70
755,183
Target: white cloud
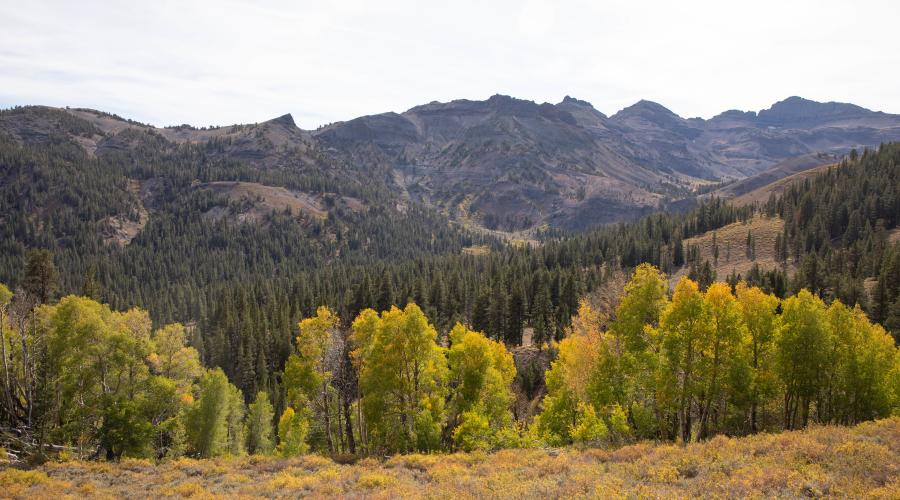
208,62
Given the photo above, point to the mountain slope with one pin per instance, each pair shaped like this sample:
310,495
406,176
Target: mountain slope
780,170
193,207
501,164
512,164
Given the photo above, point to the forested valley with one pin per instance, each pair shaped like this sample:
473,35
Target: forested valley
381,330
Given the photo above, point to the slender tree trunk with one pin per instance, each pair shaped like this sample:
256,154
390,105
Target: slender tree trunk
7,385
363,432
755,394
327,418
685,396
713,389
787,409
686,430
351,443
805,413
403,420
26,368
340,433
704,406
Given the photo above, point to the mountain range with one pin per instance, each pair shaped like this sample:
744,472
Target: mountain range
502,164
514,164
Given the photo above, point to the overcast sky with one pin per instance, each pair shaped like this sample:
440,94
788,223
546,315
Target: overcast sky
223,62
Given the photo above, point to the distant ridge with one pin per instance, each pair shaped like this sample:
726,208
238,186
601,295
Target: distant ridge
515,165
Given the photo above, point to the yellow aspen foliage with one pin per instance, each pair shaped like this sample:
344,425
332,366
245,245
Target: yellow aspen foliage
402,378
481,376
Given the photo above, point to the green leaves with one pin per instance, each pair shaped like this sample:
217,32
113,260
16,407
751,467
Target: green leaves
114,384
292,430
644,300
125,429
215,422
715,362
402,377
804,342
259,425
481,376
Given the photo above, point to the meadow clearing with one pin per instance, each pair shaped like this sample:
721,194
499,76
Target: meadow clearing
825,461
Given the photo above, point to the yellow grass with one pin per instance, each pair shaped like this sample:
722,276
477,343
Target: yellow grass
477,250
855,462
734,236
269,198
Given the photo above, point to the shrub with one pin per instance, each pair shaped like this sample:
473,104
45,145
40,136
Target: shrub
373,480
473,432
589,428
292,430
10,477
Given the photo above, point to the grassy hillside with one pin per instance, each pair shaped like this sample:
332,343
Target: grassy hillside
780,170
762,193
822,461
732,243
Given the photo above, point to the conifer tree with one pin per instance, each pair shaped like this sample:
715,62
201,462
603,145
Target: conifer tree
41,277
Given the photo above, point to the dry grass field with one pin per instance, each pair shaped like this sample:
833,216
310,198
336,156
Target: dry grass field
732,243
854,462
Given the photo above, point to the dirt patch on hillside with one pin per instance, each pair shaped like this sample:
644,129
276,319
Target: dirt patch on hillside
122,229
266,199
255,201
894,235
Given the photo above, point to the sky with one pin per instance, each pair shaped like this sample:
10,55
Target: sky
234,61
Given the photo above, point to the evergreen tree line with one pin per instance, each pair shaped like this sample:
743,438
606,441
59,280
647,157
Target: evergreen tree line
240,289
54,195
839,228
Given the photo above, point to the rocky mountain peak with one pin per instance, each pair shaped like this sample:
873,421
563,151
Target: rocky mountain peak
516,163
799,112
571,101
285,120
583,112
510,105
646,109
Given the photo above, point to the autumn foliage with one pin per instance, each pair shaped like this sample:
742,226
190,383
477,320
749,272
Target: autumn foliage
684,367
718,361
